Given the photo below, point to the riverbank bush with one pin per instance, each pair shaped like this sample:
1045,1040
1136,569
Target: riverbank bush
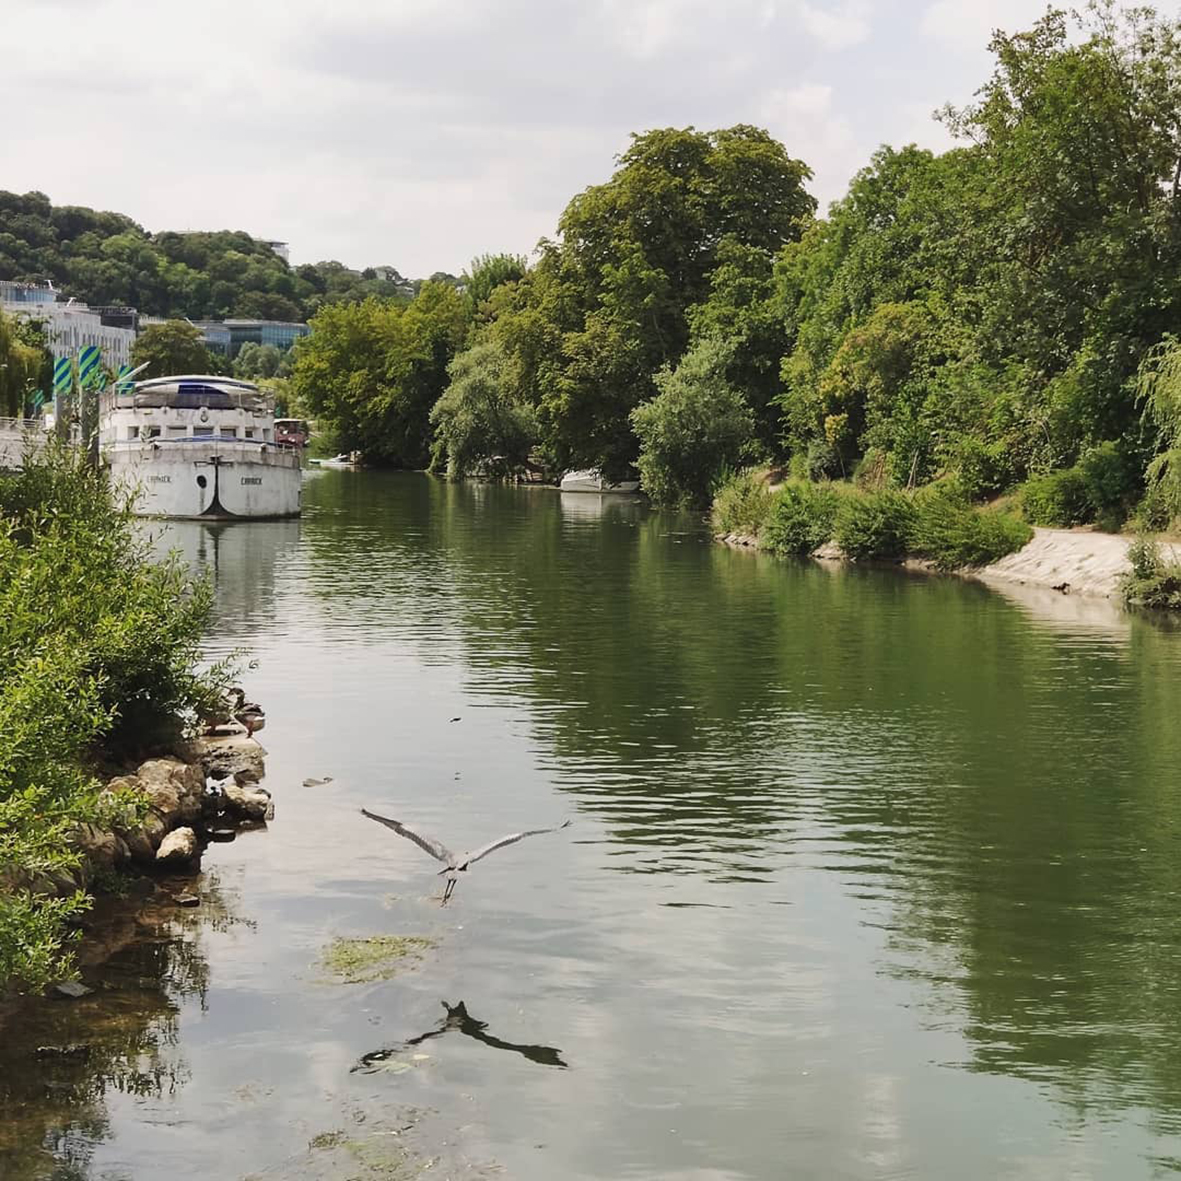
951,533
1100,488
741,504
937,523
1056,500
875,525
801,520
1153,580
99,651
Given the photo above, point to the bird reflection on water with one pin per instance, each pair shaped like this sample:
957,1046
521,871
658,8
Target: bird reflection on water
458,1018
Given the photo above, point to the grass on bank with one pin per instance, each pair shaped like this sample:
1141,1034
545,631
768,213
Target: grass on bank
800,517
1153,580
99,654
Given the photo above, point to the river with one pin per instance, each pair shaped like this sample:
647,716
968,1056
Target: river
870,875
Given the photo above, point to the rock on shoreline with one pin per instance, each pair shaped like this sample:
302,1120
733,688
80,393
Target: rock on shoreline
210,786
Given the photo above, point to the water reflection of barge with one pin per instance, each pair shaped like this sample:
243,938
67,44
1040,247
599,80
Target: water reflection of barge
199,447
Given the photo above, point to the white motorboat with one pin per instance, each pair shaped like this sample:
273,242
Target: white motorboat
344,459
199,446
592,480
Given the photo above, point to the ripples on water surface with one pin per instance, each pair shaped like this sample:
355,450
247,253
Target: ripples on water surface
870,876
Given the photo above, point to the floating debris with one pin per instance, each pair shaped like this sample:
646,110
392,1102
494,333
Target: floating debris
377,957
72,989
310,782
70,1050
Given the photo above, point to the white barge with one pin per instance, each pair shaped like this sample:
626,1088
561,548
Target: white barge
199,447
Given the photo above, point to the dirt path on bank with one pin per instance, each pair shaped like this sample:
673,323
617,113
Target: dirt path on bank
1076,561
1083,561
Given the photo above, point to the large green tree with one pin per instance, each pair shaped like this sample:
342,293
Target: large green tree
174,347
374,370
987,309
611,301
479,425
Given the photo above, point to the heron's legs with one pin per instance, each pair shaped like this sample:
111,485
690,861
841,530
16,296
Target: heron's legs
448,891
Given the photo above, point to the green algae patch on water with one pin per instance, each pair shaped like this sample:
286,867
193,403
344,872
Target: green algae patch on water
371,958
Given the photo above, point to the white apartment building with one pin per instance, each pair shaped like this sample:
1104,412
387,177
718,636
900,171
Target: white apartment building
70,325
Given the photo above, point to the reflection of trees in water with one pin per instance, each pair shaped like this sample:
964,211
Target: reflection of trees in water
997,787
142,961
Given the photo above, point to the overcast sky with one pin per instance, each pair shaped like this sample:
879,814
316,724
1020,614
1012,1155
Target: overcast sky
419,133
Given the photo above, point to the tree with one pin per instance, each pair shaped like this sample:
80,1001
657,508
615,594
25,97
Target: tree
611,299
374,370
696,427
742,309
477,421
174,347
488,272
257,360
22,365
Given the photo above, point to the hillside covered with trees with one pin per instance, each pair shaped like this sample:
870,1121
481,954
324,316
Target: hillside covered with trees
106,258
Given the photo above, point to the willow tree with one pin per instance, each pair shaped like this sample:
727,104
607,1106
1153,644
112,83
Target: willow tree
1159,385
21,366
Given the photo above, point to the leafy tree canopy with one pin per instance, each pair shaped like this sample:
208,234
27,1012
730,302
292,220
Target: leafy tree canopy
173,347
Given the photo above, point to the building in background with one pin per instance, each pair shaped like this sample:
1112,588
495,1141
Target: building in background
12,292
71,325
282,249
225,338
281,333
217,336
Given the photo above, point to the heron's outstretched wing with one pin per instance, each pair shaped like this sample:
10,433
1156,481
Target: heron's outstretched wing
438,851
512,839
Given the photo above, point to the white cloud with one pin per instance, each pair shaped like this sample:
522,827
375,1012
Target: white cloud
804,119
422,132
969,26
838,28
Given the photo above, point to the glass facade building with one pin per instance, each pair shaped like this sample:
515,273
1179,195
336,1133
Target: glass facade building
280,333
26,293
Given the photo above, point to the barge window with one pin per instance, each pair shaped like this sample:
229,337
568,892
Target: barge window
229,432
202,432
133,432
177,432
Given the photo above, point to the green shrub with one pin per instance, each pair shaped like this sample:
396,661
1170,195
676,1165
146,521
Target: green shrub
697,426
872,472
1058,499
1111,483
802,518
875,525
952,534
98,654
741,504
1152,580
1161,504
980,468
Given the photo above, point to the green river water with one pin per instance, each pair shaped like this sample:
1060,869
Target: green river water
870,875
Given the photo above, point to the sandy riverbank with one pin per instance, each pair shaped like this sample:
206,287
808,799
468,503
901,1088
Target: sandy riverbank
1078,561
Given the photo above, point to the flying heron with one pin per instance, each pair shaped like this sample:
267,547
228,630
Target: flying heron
453,864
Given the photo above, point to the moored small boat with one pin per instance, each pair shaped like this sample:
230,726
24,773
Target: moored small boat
592,480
